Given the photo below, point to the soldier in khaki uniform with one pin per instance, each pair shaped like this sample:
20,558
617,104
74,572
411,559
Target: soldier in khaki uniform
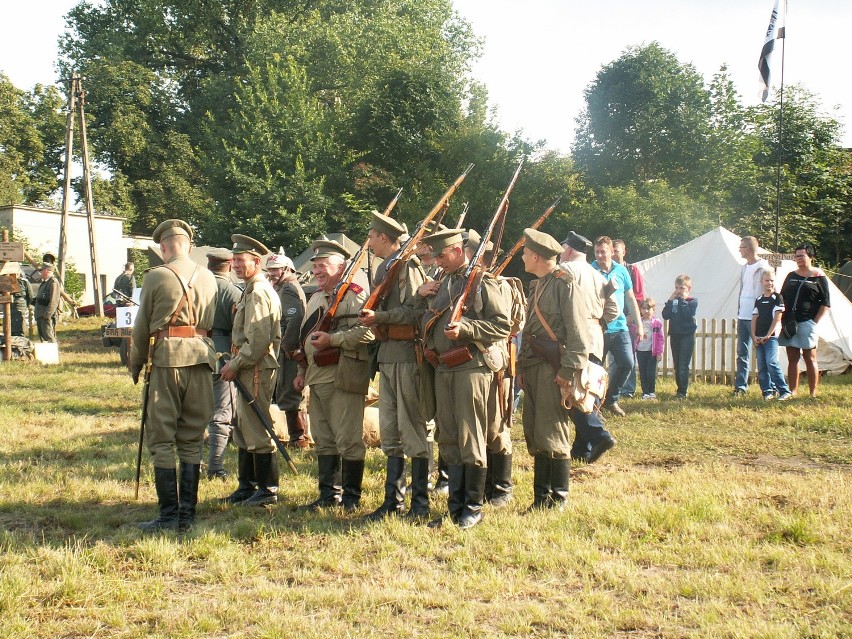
339,383
498,443
592,439
556,320
47,303
224,395
282,275
463,378
176,311
401,424
256,339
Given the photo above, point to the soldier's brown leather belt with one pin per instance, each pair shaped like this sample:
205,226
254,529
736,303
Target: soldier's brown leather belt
181,331
399,332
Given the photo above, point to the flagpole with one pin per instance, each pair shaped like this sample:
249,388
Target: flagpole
783,37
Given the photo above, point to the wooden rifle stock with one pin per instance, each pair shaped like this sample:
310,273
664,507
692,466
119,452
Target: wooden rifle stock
475,269
463,215
379,293
519,244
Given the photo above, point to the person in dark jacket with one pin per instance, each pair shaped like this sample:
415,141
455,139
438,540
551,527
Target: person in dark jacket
680,311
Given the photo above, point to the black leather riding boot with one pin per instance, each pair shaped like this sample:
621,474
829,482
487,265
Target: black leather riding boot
394,503
474,496
419,489
165,480
500,469
560,472
541,480
328,479
266,473
353,476
247,483
188,494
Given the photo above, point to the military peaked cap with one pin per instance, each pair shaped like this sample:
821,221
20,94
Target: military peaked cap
577,242
279,260
325,247
387,225
46,265
220,254
170,228
541,243
442,239
246,244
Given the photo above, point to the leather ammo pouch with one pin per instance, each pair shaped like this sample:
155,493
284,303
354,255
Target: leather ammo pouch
403,332
455,356
327,357
431,356
547,350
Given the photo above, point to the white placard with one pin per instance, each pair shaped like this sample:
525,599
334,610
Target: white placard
125,316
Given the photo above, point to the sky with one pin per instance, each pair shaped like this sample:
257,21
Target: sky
538,56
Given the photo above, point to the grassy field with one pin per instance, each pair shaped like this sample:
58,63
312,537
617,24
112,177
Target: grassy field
712,518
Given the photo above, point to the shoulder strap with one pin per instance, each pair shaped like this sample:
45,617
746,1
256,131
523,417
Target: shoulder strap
184,300
538,291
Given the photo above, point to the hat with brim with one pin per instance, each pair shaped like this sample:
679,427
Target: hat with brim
46,265
324,247
474,239
577,242
169,228
246,244
220,255
387,225
442,239
541,243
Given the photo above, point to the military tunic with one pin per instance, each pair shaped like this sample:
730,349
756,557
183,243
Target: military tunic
224,395
21,302
47,308
401,424
292,299
546,425
180,394
256,339
462,392
337,415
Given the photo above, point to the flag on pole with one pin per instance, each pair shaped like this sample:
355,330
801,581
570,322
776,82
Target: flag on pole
774,32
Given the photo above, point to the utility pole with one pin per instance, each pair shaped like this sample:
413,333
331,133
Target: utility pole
76,106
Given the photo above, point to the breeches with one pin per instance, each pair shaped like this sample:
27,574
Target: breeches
462,399
547,427
337,422
401,425
249,433
180,403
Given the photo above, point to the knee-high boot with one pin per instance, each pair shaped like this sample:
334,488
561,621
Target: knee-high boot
394,503
188,494
266,472
328,479
419,489
560,472
245,476
500,470
541,480
165,481
474,496
353,477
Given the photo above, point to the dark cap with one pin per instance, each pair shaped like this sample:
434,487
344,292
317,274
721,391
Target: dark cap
541,243
442,239
170,228
577,242
325,247
246,244
220,254
387,225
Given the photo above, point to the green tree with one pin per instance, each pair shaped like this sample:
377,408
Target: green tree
646,118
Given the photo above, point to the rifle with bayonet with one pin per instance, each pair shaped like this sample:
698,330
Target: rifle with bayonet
325,322
407,249
519,244
476,269
463,215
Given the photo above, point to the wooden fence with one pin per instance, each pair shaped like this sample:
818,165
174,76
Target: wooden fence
714,357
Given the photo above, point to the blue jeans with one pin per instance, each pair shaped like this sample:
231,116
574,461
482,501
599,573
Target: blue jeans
743,353
647,365
590,430
768,370
682,346
620,347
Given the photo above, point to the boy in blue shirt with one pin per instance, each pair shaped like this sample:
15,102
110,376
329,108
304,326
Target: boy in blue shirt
680,311
766,318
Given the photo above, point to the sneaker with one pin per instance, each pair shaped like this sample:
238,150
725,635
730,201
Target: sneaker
785,396
768,396
680,397
739,392
652,396
646,395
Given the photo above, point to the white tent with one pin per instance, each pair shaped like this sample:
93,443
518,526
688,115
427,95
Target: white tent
713,262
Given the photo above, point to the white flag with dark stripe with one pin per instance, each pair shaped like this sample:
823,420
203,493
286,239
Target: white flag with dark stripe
774,32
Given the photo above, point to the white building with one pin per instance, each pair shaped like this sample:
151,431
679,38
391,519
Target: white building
41,229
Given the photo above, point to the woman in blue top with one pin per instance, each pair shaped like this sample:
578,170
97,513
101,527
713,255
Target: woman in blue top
806,299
